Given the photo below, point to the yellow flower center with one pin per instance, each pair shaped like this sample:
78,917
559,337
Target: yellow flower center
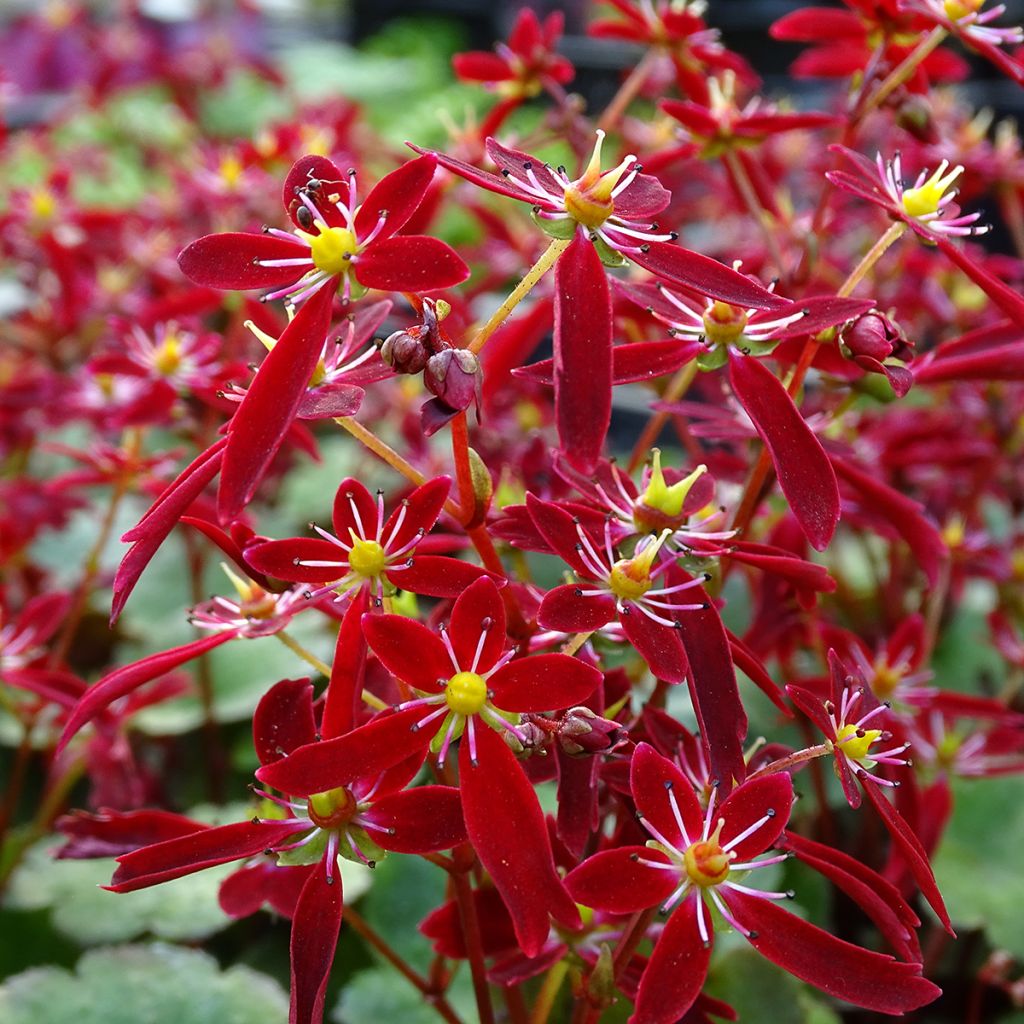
957,9
630,578
886,680
706,863
466,693
367,558
333,808
855,742
588,200
724,323
925,199
43,204
230,170
167,357
333,249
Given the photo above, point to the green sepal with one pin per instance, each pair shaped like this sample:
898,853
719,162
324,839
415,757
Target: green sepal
608,256
371,852
756,348
563,229
438,741
309,853
713,358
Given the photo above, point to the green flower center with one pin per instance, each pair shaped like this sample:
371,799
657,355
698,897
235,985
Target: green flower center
333,808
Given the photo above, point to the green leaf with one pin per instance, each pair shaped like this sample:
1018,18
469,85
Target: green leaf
380,995
155,984
977,864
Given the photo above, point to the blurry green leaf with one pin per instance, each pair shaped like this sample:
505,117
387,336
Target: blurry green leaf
964,656
380,994
241,107
977,864
155,984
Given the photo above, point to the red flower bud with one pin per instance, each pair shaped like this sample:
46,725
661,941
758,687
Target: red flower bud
404,352
455,377
873,335
582,731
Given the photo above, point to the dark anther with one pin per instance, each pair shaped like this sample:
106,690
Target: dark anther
528,165
770,812
578,592
505,173
645,248
667,784
673,235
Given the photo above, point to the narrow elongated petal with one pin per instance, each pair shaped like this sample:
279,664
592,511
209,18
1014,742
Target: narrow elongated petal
397,195
620,881
639,361
363,753
114,833
1006,298
228,260
419,820
422,508
261,421
345,689
479,610
283,720
651,779
153,528
701,274
125,680
804,471
315,928
409,650
281,558
558,528
677,969
543,682
563,609
905,515
437,575
201,849
355,511
583,353
747,804
660,646
485,179
577,817
507,829
410,263
516,162
872,980
328,401
909,846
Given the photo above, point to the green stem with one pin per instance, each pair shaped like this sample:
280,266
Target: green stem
549,992
323,668
627,92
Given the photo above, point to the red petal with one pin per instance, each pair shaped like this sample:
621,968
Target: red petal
410,263
283,720
515,162
558,528
361,754
355,512
909,846
645,198
583,353
409,650
328,401
124,680
713,689
507,829
1005,297
651,779
398,194
278,558
660,646
708,277
315,928
639,361
228,260
304,169
619,882
261,421
115,833
812,24
476,66
747,804
345,689
422,508
478,606
485,179
565,610
437,575
804,471
195,851
418,820
543,682
872,980
676,971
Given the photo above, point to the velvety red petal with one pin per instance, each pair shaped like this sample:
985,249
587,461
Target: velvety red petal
515,162
708,277
422,508
507,829
283,720
577,816
345,689
748,803
645,198
397,194
676,971
713,689
124,680
260,423
410,263
651,778
565,610
872,980
279,558
113,833
195,851
639,361
409,650
302,171
583,353
909,846
419,820
543,682
437,575
811,24
558,528
620,882
355,511
315,928
485,179
328,401
660,646
804,471
363,753
478,610
477,66
227,260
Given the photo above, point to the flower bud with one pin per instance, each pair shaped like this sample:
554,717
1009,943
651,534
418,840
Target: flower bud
872,335
404,352
455,377
582,731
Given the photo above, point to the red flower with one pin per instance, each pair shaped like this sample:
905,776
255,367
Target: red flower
336,240
687,868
